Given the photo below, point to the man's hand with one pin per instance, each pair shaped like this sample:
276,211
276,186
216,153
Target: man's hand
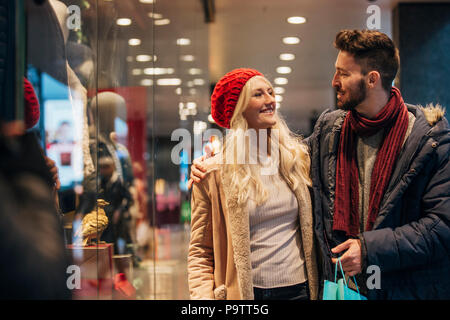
351,259
198,171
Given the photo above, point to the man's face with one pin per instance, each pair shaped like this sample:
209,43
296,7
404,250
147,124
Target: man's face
106,170
348,82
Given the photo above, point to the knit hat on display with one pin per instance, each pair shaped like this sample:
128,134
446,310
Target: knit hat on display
226,94
31,105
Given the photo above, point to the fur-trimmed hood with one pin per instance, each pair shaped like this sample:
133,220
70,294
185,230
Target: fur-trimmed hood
433,113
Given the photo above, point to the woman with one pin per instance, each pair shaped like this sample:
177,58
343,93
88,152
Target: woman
252,232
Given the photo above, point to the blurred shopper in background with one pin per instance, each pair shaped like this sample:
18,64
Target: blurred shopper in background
34,260
251,229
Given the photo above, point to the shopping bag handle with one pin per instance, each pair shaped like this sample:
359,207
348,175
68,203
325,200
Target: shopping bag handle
343,275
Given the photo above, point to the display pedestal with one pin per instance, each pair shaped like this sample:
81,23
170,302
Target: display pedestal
96,267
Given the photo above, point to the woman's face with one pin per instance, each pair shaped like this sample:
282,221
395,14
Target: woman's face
260,111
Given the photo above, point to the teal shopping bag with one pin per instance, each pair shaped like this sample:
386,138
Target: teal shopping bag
339,290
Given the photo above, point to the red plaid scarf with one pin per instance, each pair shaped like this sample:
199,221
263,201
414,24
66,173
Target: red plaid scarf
394,118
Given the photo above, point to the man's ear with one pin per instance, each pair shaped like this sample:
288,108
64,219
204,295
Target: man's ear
373,78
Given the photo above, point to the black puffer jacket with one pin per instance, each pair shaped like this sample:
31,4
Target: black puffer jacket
410,241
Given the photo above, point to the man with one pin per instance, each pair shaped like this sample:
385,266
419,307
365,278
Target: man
381,177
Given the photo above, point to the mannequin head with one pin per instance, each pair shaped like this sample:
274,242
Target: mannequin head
109,105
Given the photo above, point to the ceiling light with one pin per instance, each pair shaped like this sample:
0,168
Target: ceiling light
279,90
281,81
284,70
278,98
123,22
191,105
278,106
143,58
183,42
192,91
291,40
155,15
296,20
178,91
287,56
158,71
195,71
146,82
187,57
136,72
161,22
199,126
129,59
146,1
199,82
169,82
134,42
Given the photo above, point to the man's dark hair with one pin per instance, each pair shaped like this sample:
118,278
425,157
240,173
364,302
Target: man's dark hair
372,50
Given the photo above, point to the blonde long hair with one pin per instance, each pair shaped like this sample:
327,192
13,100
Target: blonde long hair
244,179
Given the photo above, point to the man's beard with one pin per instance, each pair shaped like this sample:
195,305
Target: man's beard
356,96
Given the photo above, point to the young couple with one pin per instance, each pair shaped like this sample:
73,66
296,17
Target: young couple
370,185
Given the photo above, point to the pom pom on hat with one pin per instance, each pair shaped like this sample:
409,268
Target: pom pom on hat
226,94
32,112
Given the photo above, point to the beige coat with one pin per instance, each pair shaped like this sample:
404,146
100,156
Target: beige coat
219,264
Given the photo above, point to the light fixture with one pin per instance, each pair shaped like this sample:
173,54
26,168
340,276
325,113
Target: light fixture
134,42
147,1
199,82
291,40
192,91
161,22
187,57
195,71
129,59
284,70
178,91
278,106
281,81
123,21
158,71
191,105
287,56
279,90
136,72
146,82
183,41
296,20
168,82
199,127
155,15
143,58
278,98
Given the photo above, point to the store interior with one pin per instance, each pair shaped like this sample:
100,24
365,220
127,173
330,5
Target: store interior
116,78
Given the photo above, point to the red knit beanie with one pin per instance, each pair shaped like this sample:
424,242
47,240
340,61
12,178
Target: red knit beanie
31,105
226,94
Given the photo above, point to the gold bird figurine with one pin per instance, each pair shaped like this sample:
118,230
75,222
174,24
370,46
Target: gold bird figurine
93,224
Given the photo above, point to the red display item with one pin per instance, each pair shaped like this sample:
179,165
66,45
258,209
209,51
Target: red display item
32,111
226,94
123,289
